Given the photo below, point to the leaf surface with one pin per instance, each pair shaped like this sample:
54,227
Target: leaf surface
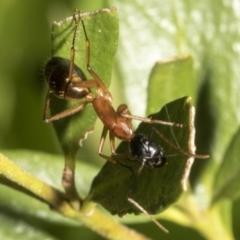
156,189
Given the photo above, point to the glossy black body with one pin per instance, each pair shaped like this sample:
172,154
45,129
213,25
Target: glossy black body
57,77
143,149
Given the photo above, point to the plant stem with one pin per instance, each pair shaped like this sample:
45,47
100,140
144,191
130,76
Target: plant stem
68,182
19,179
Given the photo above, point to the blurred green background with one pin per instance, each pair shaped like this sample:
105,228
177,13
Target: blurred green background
25,28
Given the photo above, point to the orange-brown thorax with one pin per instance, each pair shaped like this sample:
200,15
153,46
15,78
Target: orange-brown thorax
120,126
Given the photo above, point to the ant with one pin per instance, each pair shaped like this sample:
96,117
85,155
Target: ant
67,81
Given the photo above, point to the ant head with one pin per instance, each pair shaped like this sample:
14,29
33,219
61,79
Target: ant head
144,149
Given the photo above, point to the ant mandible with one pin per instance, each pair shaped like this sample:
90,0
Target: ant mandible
67,81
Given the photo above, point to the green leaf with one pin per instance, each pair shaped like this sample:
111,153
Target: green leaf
47,168
162,30
150,31
15,225
156,189
33,211
27,217
102,30
227,183
165,79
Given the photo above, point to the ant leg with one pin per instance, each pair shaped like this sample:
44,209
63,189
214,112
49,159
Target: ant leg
118,157
88,99
72,52
178,148
101,144
101,87
46,105
112,145
63,114
149,120
125,113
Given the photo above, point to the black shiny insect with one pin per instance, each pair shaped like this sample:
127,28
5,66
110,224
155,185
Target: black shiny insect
144,150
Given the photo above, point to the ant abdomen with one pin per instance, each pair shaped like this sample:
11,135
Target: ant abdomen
143,149
57,78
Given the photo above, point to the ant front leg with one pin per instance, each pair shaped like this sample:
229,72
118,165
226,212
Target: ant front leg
102,89
72,52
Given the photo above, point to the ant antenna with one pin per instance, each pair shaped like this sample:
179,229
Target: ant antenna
171,129
146,213
149,145
152,156
178,148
